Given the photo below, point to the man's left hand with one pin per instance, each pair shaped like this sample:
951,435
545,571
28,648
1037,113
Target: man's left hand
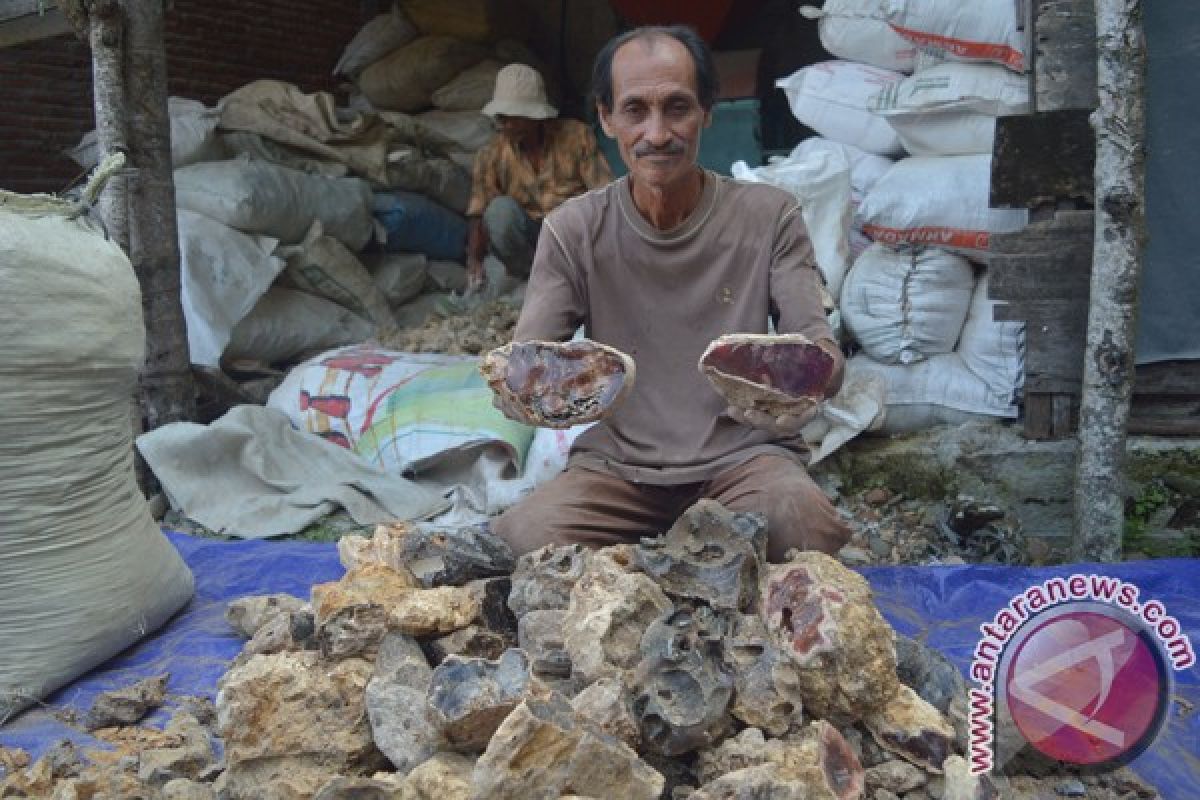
783,425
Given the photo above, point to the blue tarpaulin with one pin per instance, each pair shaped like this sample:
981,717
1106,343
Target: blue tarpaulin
943,606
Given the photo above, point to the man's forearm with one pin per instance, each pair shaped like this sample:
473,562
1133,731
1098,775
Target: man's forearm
477,240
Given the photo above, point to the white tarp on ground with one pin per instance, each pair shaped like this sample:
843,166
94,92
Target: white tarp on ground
251,474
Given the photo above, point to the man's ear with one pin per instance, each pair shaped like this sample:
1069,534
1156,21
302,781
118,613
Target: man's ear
604,114
707,118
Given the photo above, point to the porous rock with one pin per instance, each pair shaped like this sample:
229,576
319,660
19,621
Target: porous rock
913,729
821,759
446,776
763,696
838,644
606,704
433,612
453,556
543,750
710,554
773,373
290,721
410,610
127,705
247,614
543,579
609,610
473,641
683,685
469,697
384,547
160,765
559,384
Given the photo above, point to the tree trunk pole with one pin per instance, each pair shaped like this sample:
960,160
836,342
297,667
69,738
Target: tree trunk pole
106,38
1108,371
167,391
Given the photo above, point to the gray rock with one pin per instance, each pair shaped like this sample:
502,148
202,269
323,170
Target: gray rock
128,705
468,698
402,662
441,556
344,788
400,723
353,632
606,705
543,578
711,555
185,789
247,614
760,699
161,765
895,776
540,635
285,631
936,680
473,641
1071,788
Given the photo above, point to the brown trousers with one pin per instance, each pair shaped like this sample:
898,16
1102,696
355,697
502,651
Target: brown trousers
580,506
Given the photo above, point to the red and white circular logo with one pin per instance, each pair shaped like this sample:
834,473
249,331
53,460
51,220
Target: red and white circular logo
1086,686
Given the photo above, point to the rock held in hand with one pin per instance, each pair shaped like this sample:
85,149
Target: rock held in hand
777,374
559,384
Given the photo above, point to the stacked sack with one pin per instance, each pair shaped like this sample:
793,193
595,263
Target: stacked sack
911,105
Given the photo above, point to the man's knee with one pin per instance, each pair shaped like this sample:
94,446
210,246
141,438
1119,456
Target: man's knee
503,218
526,527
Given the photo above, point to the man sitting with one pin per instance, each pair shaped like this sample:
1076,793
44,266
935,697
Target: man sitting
530,167
657,265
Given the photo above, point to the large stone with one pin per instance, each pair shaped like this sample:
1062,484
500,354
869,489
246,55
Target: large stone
962,785
469,697
494,613
370,584
291,721
353,632
344,788
610,609
606,704
935,678
763,782
185,789
819,759
912,728
542,750
840,648
776,373
559,384
683,685
540,635
127,705
160,765
436,612
283,632
396,703
384,547
710,554
897,777
473,641
247,614
446,776
445,556
402,661
543,579
762,697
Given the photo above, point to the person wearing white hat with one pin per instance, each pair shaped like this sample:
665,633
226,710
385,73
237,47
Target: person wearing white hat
534,163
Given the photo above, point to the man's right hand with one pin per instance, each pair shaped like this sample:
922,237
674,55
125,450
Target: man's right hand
476,276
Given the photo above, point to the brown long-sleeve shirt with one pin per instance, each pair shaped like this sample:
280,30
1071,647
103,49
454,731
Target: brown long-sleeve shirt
662,297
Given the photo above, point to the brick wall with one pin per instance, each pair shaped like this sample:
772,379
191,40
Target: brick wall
213,47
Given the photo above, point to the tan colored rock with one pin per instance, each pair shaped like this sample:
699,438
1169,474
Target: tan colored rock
374,788
910,727
185,789
609,610
543,750
605,704
291,722
384,547
896,776
370,584
962,785
286,630
446,776
247,614
160,765
435,612
353,632
752,783
840,648
818,759
762,698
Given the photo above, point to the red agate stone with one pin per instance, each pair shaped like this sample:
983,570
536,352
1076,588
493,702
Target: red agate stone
776,374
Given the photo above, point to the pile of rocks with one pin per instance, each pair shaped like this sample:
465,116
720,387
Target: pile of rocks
469,332
441,668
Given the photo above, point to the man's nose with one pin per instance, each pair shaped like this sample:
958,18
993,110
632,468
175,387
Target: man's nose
658,132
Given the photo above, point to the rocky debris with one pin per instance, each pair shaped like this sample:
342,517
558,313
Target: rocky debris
402,661
446,776
912,728
540,635
291,721
609,610
411,610
967,515
128,705
773,373
343,788
710,554
818,761
683,684
444,556
283,632
353,632
559,384
543,750
473,641
606,704
161,765
763,696
937,681
247,614
369,584
960,784
896,777
396,703
494,614
186,789
12,759
384,546
543,579
469,333
468,698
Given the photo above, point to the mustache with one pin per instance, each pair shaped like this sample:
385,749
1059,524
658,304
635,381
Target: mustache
673,148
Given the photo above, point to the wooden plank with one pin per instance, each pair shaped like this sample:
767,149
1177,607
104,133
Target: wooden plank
1167,378
30,20
1064,57
1038,416
1043,158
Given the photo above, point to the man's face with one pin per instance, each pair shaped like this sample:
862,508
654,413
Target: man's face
656,115
517,129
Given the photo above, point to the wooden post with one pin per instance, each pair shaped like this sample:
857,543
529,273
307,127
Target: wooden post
1108,372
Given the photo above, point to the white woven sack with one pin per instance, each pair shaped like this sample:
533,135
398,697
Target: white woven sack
833,99
471,90
937,201
470,130
257,197
286,323
400,276
820,181
993,351
981,30
865,168
907,305
380,36
223,273
857,30
951,109
193,136
85,571
406,79
322,265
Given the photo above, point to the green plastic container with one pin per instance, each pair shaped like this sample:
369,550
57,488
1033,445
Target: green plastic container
733,136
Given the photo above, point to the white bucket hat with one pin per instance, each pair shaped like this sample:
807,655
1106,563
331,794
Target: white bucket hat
520,92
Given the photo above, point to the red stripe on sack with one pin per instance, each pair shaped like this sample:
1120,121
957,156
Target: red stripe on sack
942,237
964,48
